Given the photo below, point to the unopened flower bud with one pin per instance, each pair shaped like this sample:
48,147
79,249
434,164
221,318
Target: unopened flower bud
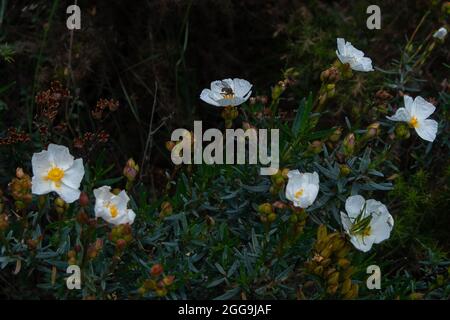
121,244
315,147
59,202
168,280
4,224
84,199
19,173
344,170
265,208
402,131
349,144
166,209
156,270
131,170
271,217
336,135
373,130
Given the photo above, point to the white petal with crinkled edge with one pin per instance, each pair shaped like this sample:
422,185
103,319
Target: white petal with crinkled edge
74,175
104,198
381,224
206,96
241,87
41,163
400,115
347,53
40,186
421,108
60,155
427,129
67,193
440,34
308,182
354,206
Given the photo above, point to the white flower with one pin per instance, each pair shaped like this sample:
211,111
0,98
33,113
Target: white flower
227,92
302,188
366,222
347,53
56,170
415,114
111,207
440,34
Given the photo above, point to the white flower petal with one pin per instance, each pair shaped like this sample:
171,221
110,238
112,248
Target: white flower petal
74,175
364,65
67,193
354,206
241,87
427,129
60,155
440,34
131,216
293,173
341,45
206,96
409,103
363,244
347,53
421,108
103,193
40,186
381,225
346,223
41,163
400,115
235,101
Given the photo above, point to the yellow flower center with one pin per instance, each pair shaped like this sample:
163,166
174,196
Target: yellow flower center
113,210
299,193
55,174
413,122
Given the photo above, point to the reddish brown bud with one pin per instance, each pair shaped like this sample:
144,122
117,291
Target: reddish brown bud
156,270
84,199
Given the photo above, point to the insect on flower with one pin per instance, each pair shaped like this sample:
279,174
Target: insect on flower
227,92
366,222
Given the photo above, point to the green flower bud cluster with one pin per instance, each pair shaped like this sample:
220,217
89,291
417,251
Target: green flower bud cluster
159,283
60,206
20,187
267,213
330,262
121,236
279,179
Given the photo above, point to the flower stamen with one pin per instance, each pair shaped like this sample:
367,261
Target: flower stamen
299,193
113,211
55,174
414,122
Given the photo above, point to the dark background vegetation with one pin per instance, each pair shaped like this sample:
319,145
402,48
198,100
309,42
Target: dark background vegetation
125,50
